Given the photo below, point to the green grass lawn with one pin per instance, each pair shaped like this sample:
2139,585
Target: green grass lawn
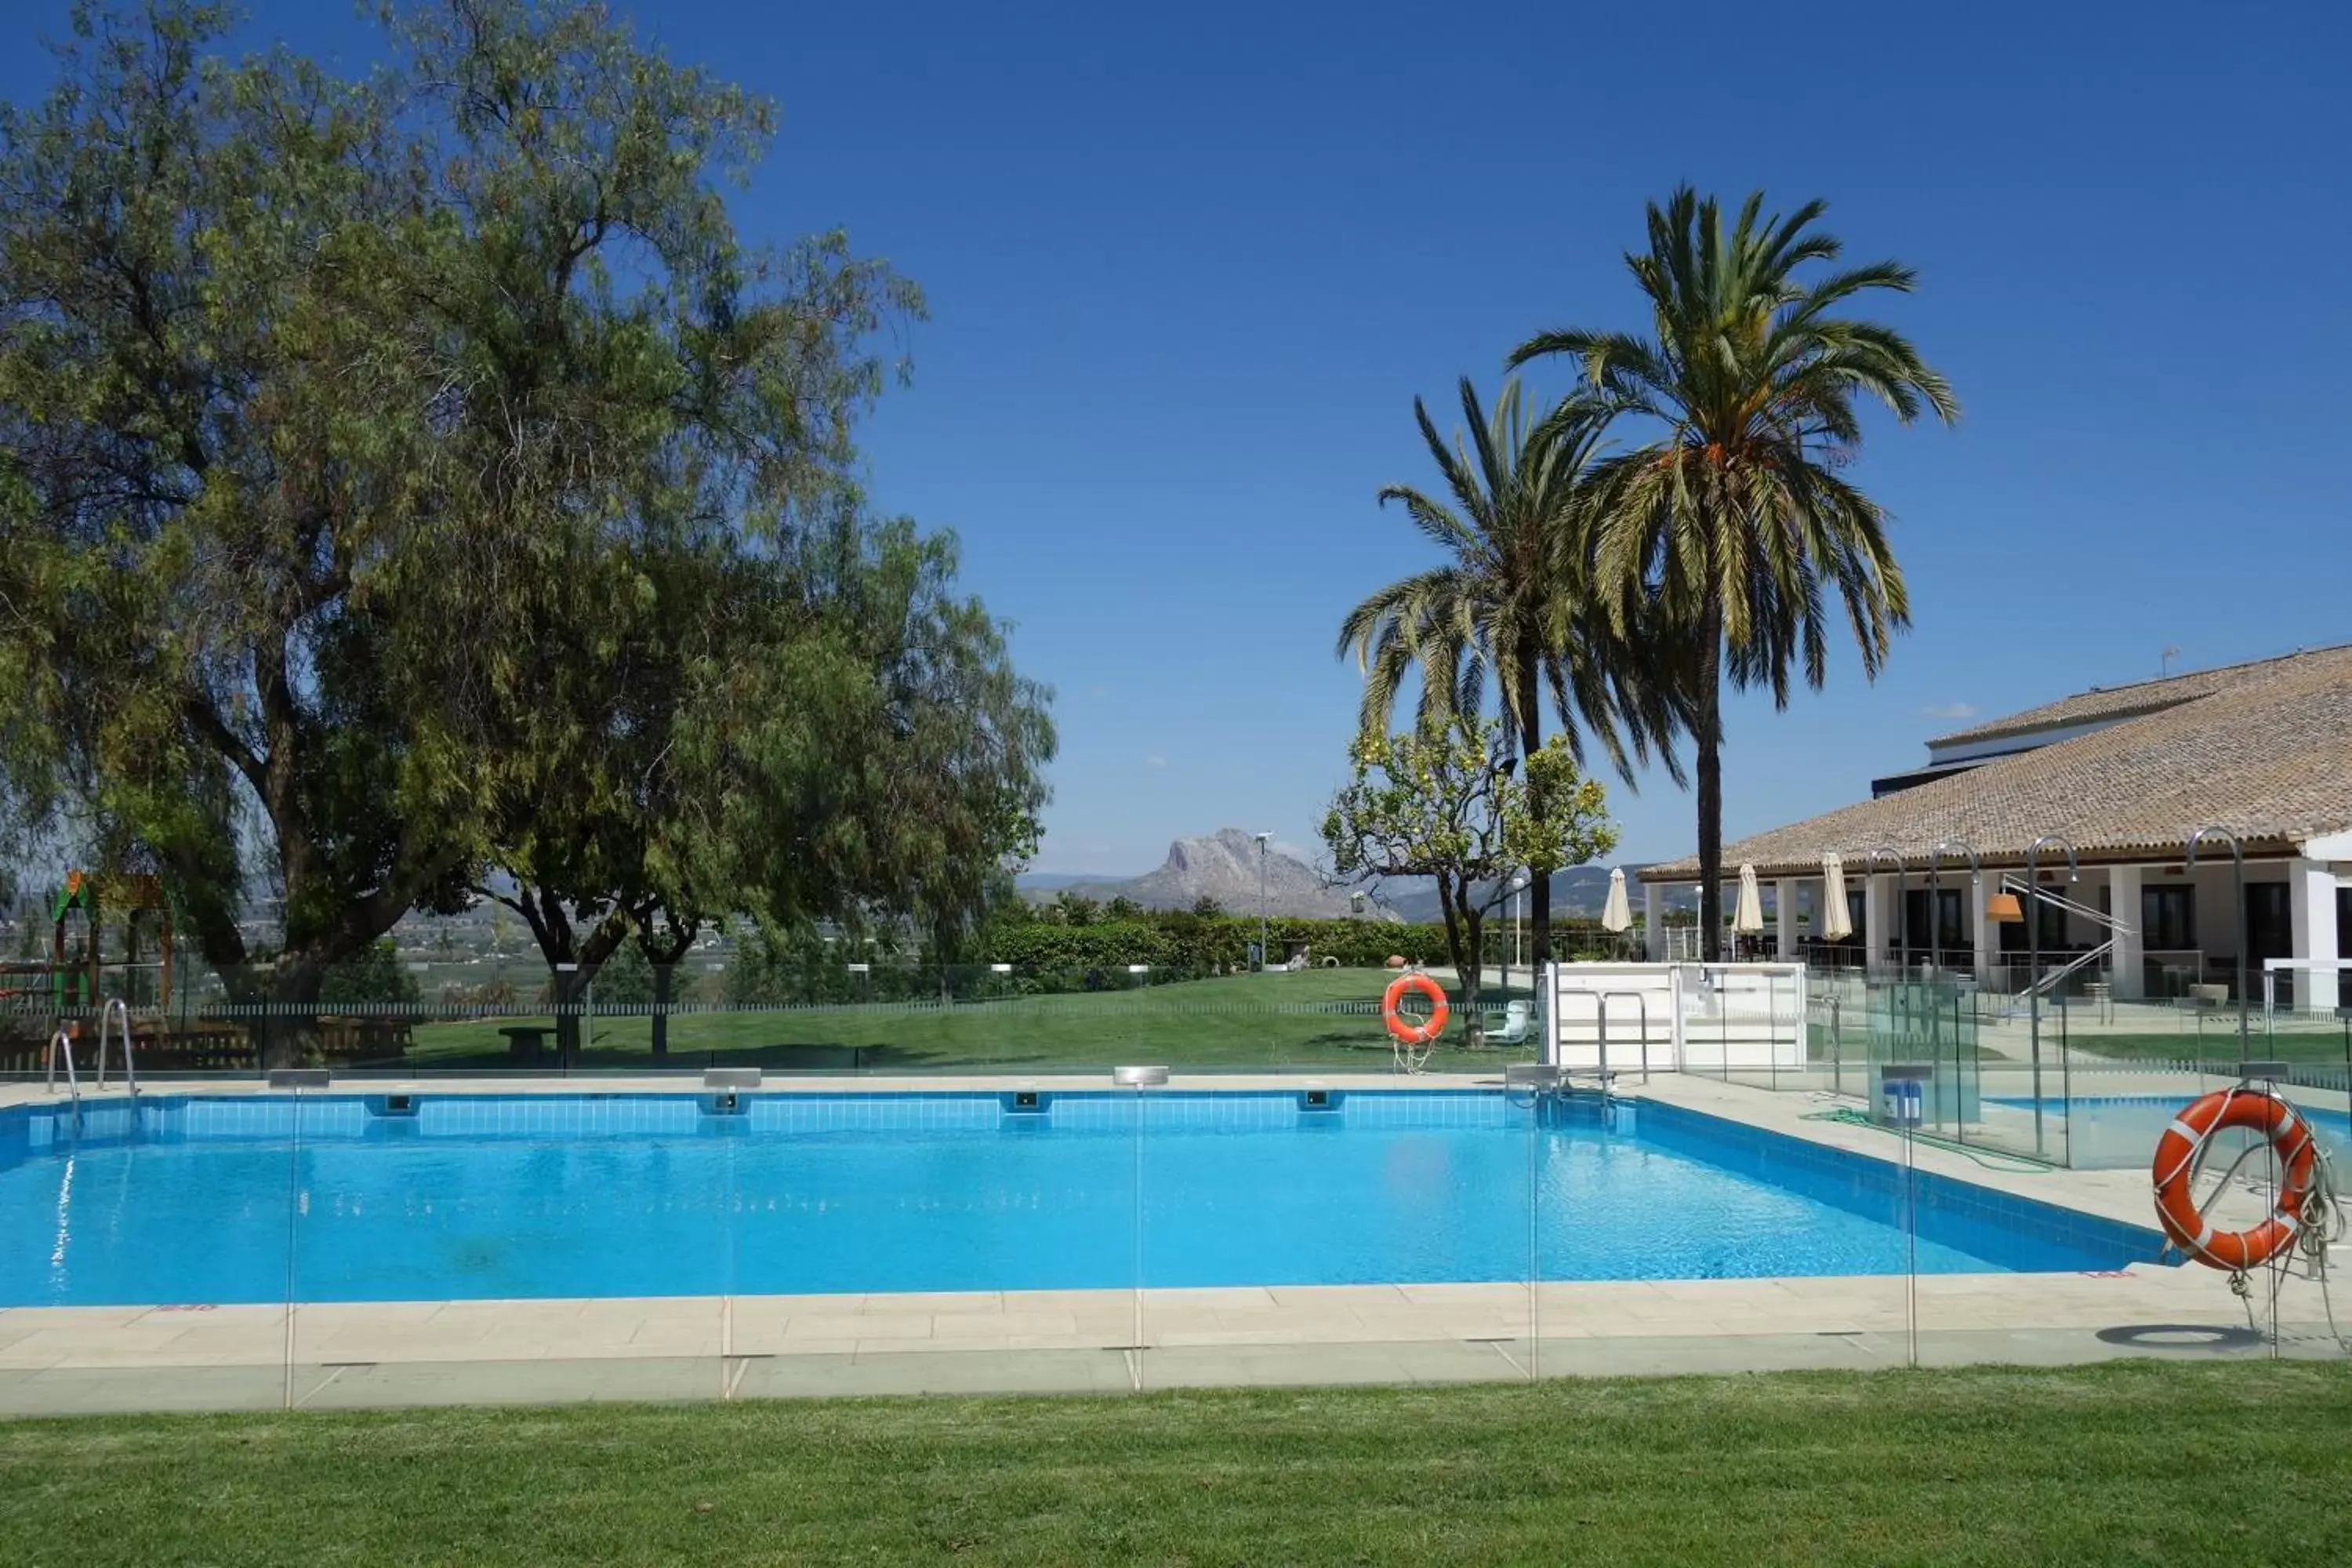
2213,1037
2131,1462
1317,1018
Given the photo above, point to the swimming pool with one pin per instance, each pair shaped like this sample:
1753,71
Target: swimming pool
2121,1130
337,1197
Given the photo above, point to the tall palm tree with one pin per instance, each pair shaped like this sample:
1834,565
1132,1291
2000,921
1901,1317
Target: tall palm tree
1738,516
1511,604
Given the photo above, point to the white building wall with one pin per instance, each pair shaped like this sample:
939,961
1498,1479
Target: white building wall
2313,885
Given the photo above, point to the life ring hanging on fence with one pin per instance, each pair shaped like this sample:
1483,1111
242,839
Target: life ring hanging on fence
1404,1029
2176,1161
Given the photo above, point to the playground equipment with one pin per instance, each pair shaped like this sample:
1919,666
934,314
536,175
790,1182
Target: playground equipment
77,946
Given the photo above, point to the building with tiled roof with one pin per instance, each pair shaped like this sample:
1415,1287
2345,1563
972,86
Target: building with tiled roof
2126,776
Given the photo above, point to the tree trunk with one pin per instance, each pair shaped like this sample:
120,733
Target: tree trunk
1530,720
286,1034
664,957
1473,1025
568,985
1709,746
1462,947
662,976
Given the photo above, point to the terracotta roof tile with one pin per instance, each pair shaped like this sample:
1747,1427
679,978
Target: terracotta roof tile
2267,754
2124,701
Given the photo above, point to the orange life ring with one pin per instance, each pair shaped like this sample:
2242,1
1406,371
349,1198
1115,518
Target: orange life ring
1404,1028
2176,1154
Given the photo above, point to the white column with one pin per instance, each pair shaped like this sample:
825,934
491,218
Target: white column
1877,921
2122,904
1987,934
1653,921
1784,920
2311,903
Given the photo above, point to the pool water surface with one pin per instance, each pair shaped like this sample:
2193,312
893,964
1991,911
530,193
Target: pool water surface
333,1198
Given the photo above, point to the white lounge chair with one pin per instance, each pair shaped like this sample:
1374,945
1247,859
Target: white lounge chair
1515,1025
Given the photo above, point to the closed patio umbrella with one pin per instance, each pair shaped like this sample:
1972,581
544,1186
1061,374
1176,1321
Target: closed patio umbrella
1837,919
1616,914
1748,919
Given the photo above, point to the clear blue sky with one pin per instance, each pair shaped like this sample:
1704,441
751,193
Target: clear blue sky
1189,265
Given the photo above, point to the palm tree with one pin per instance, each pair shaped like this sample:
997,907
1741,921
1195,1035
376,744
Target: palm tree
1511,604
1736,520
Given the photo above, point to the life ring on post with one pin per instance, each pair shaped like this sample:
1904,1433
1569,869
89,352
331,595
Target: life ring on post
1404,1029
2176,1161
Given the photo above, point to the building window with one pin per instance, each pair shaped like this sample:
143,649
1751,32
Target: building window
2344,922
2270,923
2168,918
2014,937
1949,932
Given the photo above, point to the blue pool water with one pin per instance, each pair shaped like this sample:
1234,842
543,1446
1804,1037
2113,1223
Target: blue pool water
221,1199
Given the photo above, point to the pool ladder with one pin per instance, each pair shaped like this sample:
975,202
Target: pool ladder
118,1008
61,1047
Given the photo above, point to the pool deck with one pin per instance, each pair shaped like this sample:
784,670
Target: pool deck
55,1360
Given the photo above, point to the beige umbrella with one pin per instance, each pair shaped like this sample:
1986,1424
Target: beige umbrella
1837,919
1616,914
1748,919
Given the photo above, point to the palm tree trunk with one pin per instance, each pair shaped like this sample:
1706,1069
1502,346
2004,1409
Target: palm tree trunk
1709,746
1530,718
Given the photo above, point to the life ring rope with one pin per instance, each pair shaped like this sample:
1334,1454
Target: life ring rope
1414,1040
2180,1154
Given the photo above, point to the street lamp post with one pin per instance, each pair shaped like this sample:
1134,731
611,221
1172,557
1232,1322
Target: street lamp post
1517,890
1263,839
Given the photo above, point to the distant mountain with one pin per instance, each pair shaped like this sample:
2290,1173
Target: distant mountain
1581,890
1055,881
1223,865
1578,891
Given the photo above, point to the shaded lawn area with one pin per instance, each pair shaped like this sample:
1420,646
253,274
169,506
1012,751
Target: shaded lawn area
2130,1462
1317,1018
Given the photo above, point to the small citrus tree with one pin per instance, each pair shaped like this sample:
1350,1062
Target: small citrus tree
1452,802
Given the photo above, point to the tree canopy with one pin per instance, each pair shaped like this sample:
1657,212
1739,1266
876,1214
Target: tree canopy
416,483
1738,523
1453,802
1515,604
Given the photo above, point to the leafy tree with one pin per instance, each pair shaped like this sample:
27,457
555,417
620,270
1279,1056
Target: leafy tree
1454,802
322,406
626,979
1737,520
1207,908
1514,604
1074,908
374,974
1123,907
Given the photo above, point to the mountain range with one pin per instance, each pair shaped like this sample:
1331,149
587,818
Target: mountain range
1223,866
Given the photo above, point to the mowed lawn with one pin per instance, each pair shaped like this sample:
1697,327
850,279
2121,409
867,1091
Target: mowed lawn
2216,1041
1317,1018
2130,1462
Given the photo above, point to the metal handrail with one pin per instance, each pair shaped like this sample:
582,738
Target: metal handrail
2049,983
2014,884
117,1009
63,1041
1641,1001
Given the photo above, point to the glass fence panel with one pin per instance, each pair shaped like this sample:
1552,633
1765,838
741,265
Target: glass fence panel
1694,1224
511,1245
948,1239
1300,1231
142,1247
